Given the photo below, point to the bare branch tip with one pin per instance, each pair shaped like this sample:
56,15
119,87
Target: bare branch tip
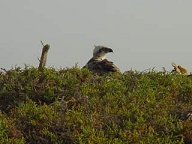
42,43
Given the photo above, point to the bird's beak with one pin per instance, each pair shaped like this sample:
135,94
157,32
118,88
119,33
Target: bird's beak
108,50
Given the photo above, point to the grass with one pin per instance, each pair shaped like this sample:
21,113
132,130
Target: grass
75,106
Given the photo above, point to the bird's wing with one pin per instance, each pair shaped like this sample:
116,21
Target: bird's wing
183,70
176,69
174,65
104,66
88,63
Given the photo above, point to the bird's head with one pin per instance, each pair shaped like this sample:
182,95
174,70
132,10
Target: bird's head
100,52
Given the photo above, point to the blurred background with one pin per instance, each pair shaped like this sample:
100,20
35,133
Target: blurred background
143,33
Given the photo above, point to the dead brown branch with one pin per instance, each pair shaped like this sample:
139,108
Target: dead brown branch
43,58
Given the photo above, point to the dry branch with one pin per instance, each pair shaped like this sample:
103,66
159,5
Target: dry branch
44,53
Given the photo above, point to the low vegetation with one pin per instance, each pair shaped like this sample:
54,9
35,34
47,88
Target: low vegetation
75,106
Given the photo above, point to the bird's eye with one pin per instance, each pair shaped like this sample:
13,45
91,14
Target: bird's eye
100,50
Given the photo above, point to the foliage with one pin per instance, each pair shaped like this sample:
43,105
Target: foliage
75,106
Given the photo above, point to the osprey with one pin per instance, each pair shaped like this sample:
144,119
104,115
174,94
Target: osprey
98,64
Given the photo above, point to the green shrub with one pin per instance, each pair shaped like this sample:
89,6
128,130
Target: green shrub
9,134
76,106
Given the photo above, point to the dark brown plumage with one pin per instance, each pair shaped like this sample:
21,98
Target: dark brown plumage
97,64
101,67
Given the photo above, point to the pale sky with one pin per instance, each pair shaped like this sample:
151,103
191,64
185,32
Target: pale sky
143,33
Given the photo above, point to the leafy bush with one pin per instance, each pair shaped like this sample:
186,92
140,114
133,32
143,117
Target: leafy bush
75,106
9,134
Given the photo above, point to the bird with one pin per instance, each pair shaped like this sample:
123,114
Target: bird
98,63
179,69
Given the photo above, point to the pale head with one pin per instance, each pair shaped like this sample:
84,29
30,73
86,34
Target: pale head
100,52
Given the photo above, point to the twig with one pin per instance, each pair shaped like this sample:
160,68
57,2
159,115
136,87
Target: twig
3,69
38,59
42,44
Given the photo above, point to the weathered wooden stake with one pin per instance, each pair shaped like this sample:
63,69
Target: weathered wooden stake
44,53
